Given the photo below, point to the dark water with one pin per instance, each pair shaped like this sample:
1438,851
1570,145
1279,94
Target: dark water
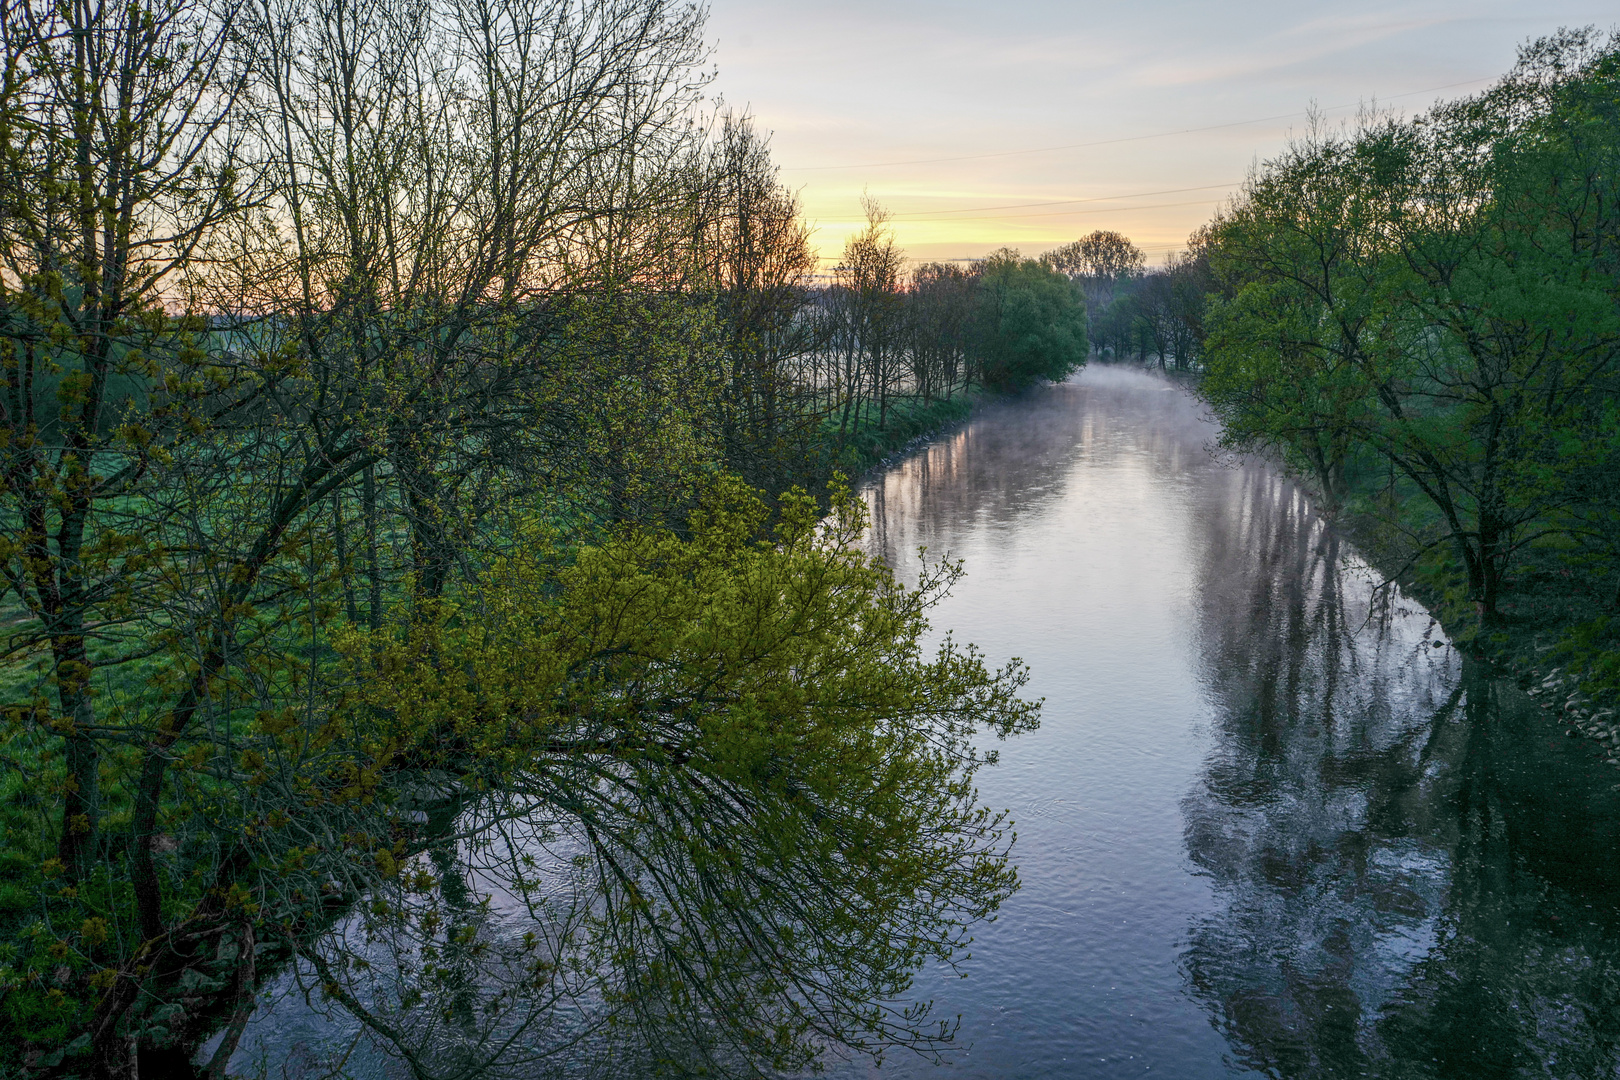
1271,823
1267,825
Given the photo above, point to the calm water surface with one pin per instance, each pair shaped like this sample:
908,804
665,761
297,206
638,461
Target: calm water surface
1272,822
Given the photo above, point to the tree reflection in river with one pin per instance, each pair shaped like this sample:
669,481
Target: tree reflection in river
1259,795
1416,873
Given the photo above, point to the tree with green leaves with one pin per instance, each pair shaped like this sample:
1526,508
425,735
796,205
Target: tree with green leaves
1438,292
1029,322
355,413
712,782
1300,258
116,164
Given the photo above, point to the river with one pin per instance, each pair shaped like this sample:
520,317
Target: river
1272,822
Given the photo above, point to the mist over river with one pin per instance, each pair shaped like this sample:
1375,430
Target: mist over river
1272,821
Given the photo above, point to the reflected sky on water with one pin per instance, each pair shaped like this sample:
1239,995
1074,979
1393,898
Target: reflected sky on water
1272,824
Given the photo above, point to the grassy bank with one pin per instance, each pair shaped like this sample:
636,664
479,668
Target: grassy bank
909,422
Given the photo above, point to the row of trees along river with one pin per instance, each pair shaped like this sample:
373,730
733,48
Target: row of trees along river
1419,317
403,407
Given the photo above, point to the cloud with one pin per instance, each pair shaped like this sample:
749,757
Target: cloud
979,83
1309,41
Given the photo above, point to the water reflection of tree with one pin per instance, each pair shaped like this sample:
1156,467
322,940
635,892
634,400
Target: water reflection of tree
1017,458
990,469
1413,878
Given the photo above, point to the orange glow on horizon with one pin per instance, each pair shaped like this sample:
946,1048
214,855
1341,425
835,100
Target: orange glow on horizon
1157,230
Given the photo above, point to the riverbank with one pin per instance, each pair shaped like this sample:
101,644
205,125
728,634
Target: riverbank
1555,634
909,424
1248,763
1552,635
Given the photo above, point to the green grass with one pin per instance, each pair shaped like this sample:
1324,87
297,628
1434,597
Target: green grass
908,420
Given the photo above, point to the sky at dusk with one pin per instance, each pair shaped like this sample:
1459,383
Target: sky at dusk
962,116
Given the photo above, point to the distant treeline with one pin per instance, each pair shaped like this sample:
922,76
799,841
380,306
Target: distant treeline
882,351
1136,312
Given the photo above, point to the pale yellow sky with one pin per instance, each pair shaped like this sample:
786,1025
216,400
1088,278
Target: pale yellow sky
1030,123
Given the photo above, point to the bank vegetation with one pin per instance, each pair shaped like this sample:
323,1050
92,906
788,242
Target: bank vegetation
1422,317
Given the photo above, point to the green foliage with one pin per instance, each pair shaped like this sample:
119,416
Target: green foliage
352,433
908,421
1282,350
1030,322
1439,293
768,786
902,357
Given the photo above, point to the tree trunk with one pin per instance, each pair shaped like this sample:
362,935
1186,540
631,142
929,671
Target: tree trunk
81,798
374,578
340,539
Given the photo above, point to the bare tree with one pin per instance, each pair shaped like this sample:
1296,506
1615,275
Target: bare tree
752,258
939,312
1100,261
349,346
267,272
867,303
117,162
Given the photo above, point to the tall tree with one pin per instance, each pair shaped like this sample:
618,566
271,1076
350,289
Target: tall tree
866,307
1030,321
363,511
1440,290
939,312
1100,261
753,257
117,163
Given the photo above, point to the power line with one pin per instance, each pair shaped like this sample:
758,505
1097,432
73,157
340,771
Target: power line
1126,139
1161,248
1069,213
1064,202
915,217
